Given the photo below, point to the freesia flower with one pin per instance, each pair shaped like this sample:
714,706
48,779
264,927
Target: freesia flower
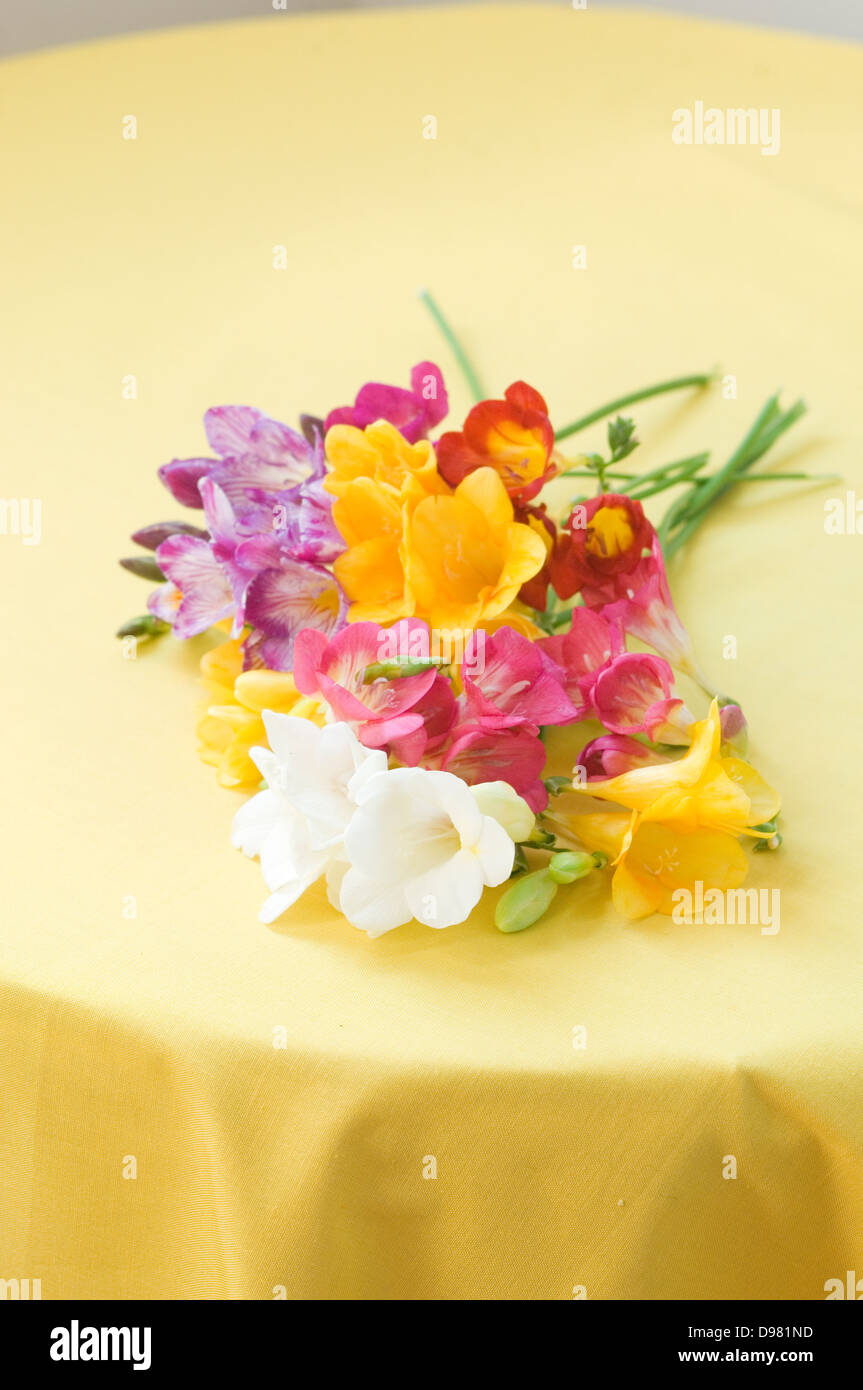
414,412
206,584
298,520
646,610
403,713
253,452
419,846
231,722
500,801
600,546
377,478
632,695
515,755
514,436
674,823
586,649
466,555
515,682
381,454
285,598
297,826
611,754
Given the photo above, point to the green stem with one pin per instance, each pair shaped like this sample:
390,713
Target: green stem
782,478
687,513
676,384
754,446
658,481
458,352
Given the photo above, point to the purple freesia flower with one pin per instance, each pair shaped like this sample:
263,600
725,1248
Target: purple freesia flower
300,518
205,581
414,413
281,601
271,536
254,452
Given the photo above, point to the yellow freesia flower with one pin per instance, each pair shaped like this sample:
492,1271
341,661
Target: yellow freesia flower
382,454
416,547
230,722
679,822
377,478
466,555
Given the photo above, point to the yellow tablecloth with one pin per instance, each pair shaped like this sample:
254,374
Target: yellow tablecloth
141,1000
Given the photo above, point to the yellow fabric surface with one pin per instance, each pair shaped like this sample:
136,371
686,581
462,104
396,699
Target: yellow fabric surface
152,1036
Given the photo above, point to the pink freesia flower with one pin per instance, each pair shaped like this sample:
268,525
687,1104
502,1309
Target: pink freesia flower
403,713
414,413
644,608
613,754
206,584
514,682
632,696
582,653
515,755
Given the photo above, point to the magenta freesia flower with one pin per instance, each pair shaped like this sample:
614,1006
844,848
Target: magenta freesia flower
613,754
629,692
515,755
414,413
646,610
404,713
582,653
632,695
513,682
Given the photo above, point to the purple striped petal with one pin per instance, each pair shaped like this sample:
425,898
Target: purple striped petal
207,596
229,428
181,478
280,603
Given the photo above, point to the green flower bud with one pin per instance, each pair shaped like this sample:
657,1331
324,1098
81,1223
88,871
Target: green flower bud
571,864
145,626
145,567
397,667
525,901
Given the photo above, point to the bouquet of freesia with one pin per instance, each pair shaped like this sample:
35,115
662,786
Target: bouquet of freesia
402,621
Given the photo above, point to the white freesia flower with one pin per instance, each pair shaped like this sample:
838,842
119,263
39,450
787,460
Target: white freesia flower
297,825
419,846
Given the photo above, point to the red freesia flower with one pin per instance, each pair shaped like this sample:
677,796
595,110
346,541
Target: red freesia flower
514,436
601,543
